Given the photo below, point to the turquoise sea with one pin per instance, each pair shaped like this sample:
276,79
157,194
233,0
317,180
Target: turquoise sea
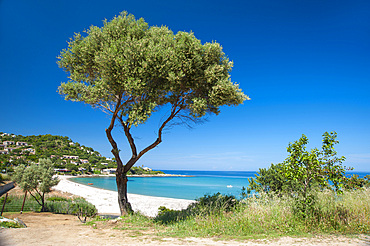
201,183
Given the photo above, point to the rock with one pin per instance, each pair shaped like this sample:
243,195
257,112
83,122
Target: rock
20,222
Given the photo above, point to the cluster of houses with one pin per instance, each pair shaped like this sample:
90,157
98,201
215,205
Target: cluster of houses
9,146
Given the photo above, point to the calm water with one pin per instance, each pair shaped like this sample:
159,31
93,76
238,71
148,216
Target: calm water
203,182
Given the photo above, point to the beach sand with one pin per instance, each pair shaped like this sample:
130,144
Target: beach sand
106,200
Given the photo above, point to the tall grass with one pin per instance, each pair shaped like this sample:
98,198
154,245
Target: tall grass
256,217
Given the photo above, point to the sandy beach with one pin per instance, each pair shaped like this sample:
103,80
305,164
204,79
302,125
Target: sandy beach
106,200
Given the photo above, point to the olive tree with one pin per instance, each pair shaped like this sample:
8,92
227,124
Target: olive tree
36,179
130,71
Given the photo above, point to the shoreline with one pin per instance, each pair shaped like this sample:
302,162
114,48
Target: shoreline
106,200
132,175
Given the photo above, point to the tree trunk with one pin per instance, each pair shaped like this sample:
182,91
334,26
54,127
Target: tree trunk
43,208
124,205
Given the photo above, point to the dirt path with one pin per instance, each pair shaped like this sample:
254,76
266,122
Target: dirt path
55,229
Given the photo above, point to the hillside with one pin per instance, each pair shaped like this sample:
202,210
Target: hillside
17,149
67,156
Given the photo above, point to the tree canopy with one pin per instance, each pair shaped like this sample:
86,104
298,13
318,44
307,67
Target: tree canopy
136,69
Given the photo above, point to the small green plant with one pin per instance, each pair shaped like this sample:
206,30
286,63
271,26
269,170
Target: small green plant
83,209
10,224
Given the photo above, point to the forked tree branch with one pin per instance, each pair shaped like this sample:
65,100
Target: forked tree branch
174,111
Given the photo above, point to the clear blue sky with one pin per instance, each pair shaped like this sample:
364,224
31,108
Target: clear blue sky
305,65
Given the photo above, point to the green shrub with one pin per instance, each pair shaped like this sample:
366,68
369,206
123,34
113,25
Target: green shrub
216,203
208,204
83,209
60,207
79,207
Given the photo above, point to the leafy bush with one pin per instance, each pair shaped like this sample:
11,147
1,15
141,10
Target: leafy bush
355,182
216,203
79,207
83,209
60,207
206,205
303,174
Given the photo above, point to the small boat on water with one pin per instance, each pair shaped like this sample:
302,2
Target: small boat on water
90,183
229,186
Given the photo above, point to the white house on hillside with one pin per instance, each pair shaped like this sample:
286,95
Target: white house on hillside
30,150
75,157
8,142
22,144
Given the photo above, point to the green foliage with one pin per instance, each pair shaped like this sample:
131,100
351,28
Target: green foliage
208,204
57,199
303,172
36,179
272,215
71,167
2,199
83,209
271,180
10,224
141,170
78,206
355,182
315,166
147,67
216,203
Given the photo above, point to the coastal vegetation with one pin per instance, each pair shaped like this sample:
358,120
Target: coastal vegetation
130,71
262,217
307,194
